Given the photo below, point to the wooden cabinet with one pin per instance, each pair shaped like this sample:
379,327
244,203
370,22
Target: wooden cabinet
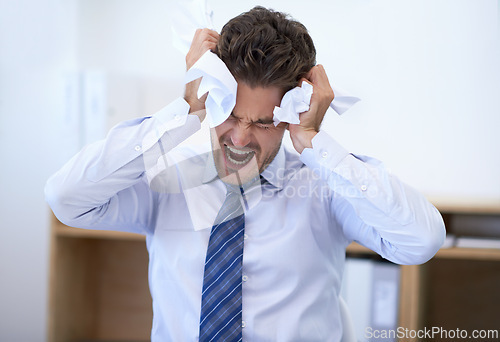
99,286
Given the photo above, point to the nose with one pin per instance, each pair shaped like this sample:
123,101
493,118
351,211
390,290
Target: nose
240,135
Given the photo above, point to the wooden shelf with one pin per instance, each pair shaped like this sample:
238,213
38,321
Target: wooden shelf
468,253
99,284
443,253
443,291
462,293
356,248
60,229
479,206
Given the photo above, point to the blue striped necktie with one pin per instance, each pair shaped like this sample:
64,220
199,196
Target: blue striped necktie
221,318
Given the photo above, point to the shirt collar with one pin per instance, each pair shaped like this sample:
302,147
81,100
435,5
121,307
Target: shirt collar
273,173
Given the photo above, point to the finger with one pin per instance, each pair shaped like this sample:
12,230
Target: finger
314,73
211,40
214,34
318,75
308,75
206,45
320,79
207,33
303,79
201,35
211,46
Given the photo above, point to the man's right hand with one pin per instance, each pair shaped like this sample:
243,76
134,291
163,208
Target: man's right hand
204,40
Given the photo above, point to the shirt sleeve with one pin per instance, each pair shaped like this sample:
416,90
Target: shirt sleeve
103,186
374,207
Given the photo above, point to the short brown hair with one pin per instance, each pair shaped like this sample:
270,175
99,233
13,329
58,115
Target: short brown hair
264,48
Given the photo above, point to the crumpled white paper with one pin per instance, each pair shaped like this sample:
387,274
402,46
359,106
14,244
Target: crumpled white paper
295,101
220,84
298,100
342,101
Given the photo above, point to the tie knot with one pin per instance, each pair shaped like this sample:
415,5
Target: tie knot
232,206
240,189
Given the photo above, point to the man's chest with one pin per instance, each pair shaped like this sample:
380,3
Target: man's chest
281,229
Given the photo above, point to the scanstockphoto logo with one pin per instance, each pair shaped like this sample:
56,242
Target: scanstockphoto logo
431,334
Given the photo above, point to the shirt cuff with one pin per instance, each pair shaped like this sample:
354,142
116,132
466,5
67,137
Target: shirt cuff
170,117
326,153
174,113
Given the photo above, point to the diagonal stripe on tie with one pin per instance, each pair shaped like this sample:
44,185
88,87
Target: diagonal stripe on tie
221,307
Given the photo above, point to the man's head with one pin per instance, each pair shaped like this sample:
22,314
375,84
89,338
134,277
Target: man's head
268,54
265,48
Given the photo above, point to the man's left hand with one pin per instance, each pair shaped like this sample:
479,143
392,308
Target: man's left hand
310,121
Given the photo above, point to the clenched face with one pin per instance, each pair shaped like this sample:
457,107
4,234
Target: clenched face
246,143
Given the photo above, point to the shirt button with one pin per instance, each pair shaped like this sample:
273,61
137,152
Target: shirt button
244,278
324,154
177,118
363,187
242,324
137,148
245,236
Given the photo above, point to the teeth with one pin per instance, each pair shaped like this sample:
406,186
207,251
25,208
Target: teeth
239,152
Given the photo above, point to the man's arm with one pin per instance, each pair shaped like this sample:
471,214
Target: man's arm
374,207
104,185
203,40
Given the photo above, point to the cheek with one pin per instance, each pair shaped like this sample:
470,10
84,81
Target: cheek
222,129
270,140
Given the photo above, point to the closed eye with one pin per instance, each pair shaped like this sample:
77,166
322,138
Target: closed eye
260,123
264,125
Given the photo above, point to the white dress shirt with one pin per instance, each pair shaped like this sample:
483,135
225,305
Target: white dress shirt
297,225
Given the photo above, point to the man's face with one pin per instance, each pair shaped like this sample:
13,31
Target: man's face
246,143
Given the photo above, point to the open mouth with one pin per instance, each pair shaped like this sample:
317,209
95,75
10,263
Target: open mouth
238,157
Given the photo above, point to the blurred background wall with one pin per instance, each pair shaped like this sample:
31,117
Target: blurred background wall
427,72
37,44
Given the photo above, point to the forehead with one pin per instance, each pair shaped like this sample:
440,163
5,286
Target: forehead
256,103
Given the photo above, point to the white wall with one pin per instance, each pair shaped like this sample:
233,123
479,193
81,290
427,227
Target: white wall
429,78
36,45
427,71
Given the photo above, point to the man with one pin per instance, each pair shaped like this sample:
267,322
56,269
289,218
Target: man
287,215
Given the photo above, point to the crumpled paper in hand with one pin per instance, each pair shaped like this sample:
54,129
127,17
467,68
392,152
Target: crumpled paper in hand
220,84
298,100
